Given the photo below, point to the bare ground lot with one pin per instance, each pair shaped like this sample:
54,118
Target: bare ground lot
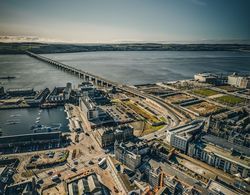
178,98
204,108
228,88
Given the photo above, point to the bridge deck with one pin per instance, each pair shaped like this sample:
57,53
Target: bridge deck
71,68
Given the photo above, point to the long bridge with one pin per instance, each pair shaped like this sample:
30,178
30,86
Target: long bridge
174,112
80,73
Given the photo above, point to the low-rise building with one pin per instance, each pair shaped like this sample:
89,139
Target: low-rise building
175,186
160,177
60,94
206,78
20,92
127,155
239,81
89,184
39,98
217,188
229,161
95,115
26,140
27,187
108,136
87,88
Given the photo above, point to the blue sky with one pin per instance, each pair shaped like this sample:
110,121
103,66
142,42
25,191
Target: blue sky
104,21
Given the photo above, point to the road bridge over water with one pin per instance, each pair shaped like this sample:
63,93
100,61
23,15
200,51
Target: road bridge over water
171,110
80,73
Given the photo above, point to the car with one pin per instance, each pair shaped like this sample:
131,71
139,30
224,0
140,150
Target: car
91,162
40,181
50,173
73,169
55,178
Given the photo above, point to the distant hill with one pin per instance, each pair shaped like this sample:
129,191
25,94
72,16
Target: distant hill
19,48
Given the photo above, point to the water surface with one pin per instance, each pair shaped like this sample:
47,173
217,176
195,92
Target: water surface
130,67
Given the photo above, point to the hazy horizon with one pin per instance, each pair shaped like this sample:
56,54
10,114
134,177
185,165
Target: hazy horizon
27,39
121,21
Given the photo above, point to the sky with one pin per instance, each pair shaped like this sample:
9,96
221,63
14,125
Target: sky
112,21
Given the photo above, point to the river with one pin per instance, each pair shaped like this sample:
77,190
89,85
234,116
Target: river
130,67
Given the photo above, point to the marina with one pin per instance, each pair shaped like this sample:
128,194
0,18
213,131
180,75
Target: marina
23,121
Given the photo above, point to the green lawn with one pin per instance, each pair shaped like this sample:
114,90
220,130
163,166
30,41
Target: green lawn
151,129
205,92
230,99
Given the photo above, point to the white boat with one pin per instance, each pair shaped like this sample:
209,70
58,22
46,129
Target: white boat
12,123
15,115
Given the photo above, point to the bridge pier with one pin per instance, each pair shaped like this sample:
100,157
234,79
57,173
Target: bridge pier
104,84
87,78
93,80
81,76
99,82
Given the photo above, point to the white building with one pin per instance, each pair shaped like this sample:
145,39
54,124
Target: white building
206,78
239,81
90,110
180,137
